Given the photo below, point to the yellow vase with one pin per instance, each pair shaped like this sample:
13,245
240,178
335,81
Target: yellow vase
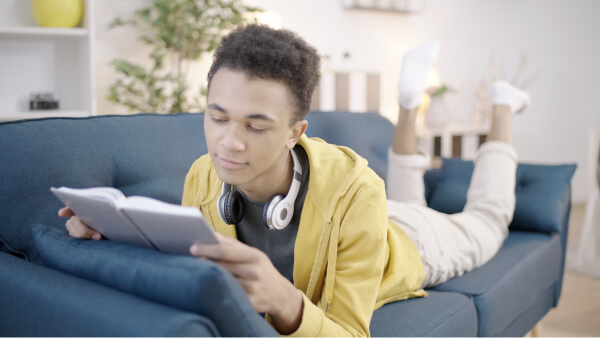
58,13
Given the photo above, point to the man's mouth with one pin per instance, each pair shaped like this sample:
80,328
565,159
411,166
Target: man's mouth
230,164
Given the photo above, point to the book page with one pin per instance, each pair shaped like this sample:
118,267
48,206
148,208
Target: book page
104,193
169,227
95,207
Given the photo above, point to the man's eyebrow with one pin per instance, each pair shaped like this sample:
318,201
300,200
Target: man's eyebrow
217,107
250,117
260,117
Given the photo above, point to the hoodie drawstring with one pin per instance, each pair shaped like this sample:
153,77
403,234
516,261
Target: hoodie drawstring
331,269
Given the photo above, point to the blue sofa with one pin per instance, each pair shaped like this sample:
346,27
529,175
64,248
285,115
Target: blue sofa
54,285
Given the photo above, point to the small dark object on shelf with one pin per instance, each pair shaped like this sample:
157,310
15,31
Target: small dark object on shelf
43,101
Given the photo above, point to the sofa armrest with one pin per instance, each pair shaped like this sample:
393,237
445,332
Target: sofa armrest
181,282
38,301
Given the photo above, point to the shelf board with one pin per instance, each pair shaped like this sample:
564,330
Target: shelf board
406,7
453,130
43,31
378,9
38,114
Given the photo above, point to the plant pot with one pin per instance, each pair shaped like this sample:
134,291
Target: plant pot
58,13
437,116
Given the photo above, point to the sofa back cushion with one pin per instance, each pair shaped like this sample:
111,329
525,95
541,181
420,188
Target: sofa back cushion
142,155
368,134
150,155
542,193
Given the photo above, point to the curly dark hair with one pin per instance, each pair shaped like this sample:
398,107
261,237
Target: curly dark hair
267,53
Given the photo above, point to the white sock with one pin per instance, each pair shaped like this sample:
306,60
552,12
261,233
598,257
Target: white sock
503,93
414,72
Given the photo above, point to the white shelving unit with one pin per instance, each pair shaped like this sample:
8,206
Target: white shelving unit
447,134
454,140
42,59
42,31
38,114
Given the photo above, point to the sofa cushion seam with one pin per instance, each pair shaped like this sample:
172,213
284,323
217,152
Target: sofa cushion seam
470,300
527,307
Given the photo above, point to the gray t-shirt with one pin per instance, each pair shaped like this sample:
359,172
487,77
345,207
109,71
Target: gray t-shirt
278,245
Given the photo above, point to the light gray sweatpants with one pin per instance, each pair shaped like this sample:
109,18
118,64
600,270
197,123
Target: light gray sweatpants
451,245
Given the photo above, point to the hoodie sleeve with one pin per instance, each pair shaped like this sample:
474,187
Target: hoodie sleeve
197,185
190,188
192,183
356,262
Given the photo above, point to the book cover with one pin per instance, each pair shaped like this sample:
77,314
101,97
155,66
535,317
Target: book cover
138,220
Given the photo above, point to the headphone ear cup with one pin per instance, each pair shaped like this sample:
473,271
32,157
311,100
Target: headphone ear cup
268,210
233,207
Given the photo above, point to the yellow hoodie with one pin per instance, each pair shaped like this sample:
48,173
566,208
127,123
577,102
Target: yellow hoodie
348,258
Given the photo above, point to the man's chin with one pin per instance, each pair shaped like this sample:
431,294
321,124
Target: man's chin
230,178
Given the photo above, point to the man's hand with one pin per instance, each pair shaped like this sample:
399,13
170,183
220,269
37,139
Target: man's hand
266,288
76,227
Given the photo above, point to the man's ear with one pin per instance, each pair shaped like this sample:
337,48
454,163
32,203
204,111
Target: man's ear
296,131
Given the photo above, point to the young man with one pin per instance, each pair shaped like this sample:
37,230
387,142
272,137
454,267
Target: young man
339,256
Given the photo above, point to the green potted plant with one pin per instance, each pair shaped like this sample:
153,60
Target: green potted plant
179,33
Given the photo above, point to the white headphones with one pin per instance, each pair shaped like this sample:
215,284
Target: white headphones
278,210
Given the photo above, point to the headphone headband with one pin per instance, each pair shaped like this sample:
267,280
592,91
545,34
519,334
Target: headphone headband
297,176
279,211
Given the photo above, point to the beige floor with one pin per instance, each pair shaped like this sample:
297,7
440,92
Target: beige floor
577,314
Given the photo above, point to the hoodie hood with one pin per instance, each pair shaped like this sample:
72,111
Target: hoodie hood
336,174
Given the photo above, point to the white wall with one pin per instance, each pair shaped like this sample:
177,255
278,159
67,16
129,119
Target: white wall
122,43
561,38
114,43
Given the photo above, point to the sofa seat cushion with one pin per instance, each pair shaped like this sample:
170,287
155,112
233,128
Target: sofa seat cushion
525,269
439,314
182,282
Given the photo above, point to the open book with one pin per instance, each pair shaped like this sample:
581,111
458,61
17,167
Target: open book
138,220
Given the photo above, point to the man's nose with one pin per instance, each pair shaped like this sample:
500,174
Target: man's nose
232,139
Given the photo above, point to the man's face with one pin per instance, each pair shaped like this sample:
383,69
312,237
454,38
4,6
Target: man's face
247,128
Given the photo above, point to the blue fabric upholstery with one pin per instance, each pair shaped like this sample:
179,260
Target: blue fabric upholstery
455,316
530,316
145,155
143,292
369,135
508,285
37,301
184,283
542,193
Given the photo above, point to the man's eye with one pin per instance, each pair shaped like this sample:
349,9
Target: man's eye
255,130
217,120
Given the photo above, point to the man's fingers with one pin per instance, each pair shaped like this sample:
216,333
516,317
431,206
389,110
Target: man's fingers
78,229
245,271
229,250
66,212
210,251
